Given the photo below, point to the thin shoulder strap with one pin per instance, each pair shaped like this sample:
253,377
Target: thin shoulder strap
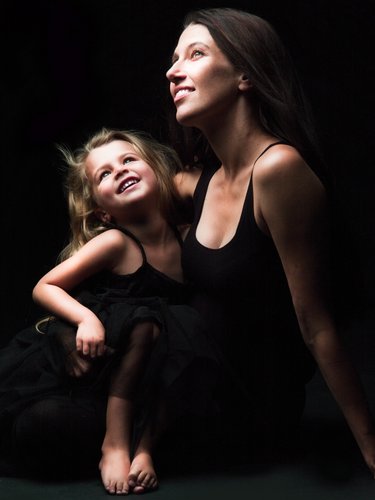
134,238
267,148
131,235
178,235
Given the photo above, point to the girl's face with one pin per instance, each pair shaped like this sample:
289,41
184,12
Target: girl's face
203,82
121,179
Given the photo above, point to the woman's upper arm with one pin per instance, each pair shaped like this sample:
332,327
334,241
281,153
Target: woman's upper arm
292,206
186,182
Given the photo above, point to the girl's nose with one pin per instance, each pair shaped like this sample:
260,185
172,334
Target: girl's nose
120,169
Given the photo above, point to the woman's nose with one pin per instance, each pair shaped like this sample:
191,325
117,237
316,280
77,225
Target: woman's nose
174,73
169,73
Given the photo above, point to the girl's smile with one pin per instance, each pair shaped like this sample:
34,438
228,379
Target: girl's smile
120,176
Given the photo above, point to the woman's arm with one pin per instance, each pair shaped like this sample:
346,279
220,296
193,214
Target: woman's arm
291,206
186,182
52,290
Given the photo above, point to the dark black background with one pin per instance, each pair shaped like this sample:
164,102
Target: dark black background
70,67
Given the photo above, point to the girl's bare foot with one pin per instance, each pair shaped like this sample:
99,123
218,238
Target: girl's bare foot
142,475
114,469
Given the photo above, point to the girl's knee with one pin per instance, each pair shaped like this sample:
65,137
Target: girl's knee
144,334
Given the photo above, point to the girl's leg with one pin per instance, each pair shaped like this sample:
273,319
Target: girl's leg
142,475
116,447
115,462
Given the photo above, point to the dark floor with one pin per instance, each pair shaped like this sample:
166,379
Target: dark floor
328,465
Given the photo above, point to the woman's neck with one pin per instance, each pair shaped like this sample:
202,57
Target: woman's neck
238,148
237,139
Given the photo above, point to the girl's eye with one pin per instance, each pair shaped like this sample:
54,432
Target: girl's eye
103,175
128,159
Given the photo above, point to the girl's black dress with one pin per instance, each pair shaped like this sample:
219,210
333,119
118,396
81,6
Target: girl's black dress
181,368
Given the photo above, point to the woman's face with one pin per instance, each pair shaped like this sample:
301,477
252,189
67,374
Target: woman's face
121,179
203,82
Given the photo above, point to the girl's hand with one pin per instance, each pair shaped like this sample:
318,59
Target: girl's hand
90,337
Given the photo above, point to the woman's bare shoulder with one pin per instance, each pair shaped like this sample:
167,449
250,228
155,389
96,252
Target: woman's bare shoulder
283,165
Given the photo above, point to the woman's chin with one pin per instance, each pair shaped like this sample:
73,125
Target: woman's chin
185,120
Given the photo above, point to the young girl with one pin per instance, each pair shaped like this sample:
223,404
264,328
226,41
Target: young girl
117,302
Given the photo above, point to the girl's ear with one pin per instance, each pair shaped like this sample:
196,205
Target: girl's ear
102,215
244,83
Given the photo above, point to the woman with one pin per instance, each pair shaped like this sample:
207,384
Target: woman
257,252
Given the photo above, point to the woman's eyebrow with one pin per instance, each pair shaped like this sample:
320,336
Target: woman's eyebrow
189,47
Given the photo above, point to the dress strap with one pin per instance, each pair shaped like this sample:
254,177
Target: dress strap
131,235
136,240
178,235
267,148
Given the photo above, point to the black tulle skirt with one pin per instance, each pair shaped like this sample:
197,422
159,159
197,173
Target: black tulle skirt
182,368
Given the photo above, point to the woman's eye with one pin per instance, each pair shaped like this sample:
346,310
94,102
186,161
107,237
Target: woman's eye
197,53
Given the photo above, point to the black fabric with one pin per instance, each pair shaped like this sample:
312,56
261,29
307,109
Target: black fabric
181,367
58,436
241,291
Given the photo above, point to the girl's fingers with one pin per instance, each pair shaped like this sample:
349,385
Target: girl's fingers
79,345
